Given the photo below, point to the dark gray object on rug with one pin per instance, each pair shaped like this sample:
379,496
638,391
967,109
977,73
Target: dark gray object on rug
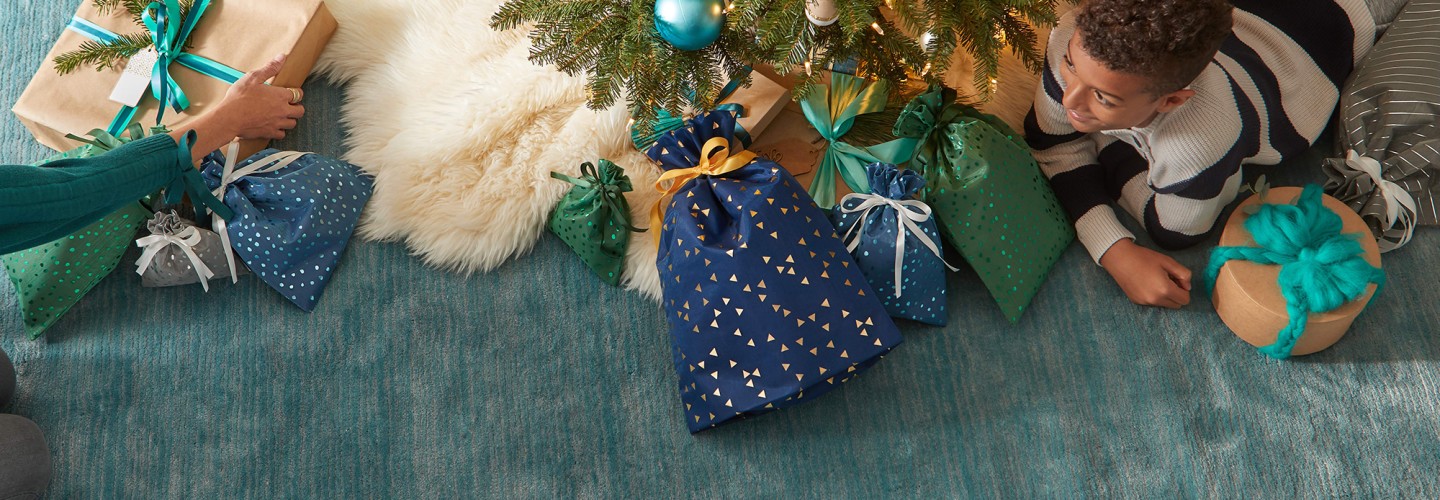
7,379
24,459
173,249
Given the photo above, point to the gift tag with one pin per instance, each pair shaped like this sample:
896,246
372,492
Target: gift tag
136,78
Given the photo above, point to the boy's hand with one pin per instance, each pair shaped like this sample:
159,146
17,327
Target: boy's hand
1149,278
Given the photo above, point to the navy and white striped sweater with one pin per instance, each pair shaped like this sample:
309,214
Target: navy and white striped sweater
1268,94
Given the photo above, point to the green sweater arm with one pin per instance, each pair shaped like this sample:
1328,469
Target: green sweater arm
41,204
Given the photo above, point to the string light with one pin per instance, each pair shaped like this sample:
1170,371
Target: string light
926,69
876,26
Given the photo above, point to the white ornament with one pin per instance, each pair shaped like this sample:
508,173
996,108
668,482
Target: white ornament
821,12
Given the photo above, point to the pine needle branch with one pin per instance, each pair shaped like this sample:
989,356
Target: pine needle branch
615,45
102,56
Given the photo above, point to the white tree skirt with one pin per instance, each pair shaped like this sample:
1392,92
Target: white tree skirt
461,132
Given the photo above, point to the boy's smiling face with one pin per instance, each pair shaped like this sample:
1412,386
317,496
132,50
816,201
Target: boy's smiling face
1099,98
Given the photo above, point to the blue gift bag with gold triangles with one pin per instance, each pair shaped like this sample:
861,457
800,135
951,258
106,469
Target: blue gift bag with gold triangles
766,307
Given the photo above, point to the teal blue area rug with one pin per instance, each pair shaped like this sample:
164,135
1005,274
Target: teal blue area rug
537,380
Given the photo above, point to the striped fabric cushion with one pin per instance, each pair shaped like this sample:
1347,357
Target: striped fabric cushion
1389,113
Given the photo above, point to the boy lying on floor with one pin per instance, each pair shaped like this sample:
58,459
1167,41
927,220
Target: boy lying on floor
1156,104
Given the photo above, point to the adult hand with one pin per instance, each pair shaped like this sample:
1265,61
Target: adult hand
250,110
1147,277
255,110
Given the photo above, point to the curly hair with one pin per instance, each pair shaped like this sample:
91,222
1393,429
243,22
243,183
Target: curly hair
1168,42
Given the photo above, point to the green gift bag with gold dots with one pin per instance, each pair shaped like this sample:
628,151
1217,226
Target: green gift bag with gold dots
989,196
594,218
52,278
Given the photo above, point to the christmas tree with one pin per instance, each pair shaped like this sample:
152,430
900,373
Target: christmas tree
673,54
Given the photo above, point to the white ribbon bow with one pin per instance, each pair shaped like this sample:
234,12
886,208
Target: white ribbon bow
907,214
1400,206
186,240
267,164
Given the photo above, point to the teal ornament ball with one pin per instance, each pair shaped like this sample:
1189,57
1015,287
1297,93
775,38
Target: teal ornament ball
689,24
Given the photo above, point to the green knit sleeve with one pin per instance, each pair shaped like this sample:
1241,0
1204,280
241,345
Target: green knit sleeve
41,203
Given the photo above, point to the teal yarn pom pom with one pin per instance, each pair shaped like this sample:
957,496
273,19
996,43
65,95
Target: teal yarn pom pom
1320,268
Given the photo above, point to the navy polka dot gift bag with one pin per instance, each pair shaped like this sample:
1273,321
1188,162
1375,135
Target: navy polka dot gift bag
894,239
766,307
294,214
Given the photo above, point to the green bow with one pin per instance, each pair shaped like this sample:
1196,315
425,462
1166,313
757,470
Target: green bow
938,123
101,141
832,110
608,183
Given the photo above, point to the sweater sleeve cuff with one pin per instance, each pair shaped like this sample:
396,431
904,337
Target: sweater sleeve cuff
1098,229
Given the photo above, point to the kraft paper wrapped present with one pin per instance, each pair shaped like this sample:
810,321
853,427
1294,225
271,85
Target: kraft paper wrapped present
756,106
1388,167
594,219
176,252
294,215
766,307
993,203
894,239
1293,270
793,143
239,35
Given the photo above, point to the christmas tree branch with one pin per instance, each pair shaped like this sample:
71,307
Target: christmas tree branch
107,55
102,56
615,44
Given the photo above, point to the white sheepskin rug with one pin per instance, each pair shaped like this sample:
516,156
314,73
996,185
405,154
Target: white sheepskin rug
461,132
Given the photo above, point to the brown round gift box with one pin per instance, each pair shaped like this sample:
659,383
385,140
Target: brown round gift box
1247,294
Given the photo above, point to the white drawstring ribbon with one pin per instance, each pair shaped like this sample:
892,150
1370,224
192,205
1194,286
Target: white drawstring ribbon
1400,206
908,213
186,240
267,164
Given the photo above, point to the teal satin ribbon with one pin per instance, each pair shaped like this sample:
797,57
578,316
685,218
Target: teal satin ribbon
169,31
190,182
832,111
608,183
168,37
665,122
